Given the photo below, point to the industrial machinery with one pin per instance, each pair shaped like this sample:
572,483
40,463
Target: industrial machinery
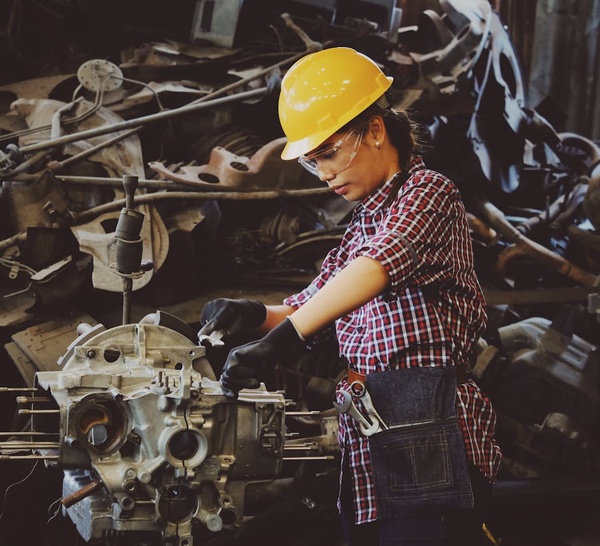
148,441
128,409
139,424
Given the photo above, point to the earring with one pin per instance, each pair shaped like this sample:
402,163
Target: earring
377,144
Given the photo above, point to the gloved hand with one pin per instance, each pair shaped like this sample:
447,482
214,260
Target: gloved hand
246,362
231,317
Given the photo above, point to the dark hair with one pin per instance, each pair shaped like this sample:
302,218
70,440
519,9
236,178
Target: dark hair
404,132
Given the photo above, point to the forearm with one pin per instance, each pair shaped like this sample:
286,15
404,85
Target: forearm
275,315
359,282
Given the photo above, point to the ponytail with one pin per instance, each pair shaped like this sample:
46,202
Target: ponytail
404,133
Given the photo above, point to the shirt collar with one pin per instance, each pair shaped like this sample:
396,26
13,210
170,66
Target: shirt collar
372,202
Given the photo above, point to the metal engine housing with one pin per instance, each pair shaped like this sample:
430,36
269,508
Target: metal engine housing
148,441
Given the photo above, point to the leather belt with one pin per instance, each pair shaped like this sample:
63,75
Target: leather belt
355,376
462,376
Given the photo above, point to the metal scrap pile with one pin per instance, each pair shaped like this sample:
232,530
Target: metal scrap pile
196,124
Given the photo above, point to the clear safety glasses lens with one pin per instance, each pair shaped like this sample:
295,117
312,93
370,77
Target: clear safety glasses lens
333,158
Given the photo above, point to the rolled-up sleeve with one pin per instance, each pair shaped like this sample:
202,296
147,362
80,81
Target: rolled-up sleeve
411,240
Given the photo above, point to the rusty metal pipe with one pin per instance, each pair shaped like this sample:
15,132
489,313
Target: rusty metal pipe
82,493
148,183
522,245
586,238
235,196
559,213
481,231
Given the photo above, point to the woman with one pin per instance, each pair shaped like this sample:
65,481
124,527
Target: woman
403,297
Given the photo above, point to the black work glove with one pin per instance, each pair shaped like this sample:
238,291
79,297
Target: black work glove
230,317
246,362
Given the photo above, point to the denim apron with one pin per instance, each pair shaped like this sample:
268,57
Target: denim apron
419,463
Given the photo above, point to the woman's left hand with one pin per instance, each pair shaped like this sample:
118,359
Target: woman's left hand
245,363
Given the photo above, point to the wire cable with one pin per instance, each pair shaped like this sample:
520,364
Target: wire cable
14,485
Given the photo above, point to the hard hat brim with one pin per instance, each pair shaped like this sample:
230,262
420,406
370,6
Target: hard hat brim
294,149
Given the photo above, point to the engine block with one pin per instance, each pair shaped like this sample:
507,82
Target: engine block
148,441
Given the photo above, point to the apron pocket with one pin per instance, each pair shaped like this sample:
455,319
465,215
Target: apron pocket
419,463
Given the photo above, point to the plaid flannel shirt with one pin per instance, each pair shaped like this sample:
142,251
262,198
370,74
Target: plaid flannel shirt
432,313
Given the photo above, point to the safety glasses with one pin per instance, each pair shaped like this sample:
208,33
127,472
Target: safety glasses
333,158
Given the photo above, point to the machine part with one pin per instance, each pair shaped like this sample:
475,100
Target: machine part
39,347
500,114
533,344
214,339
263,170
149,442
96,238
92,122
100,75
11,158
521,245
27,203
461,36
60,282
128,261
543,380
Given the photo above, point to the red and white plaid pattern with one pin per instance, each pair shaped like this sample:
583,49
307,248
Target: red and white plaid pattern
432,314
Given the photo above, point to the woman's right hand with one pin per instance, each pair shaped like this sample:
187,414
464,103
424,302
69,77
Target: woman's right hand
226,318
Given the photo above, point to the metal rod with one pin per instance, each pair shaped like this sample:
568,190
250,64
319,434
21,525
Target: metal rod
29,457
321,458
128,124
32,433
127,293
147,198
29,445
56,165
258,74
305,447
33,399
118,182
33,412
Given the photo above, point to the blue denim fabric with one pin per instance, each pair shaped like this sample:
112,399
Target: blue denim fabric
438,528
420,463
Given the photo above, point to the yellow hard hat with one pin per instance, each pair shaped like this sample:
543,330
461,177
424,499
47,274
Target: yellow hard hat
322,92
